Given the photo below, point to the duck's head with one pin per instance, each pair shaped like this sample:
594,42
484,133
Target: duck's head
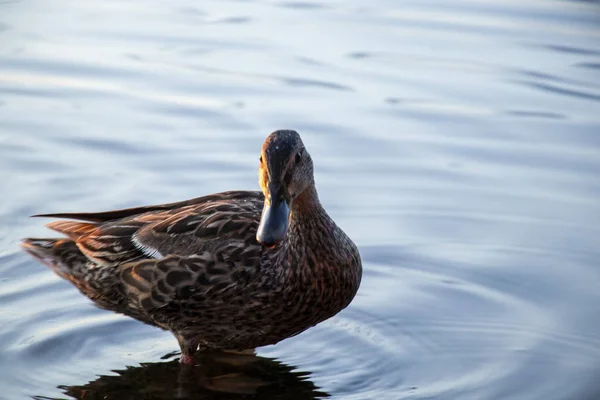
285,172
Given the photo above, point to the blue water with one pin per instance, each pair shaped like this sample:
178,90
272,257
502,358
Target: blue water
457,142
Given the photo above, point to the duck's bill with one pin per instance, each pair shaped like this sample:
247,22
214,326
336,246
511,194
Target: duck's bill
273,222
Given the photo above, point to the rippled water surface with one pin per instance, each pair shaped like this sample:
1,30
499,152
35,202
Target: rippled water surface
457,142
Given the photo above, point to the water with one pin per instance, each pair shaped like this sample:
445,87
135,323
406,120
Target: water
455,141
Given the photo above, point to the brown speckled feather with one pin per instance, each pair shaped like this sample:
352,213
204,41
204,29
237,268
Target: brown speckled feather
185,228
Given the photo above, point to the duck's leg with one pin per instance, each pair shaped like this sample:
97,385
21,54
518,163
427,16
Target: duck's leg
188,348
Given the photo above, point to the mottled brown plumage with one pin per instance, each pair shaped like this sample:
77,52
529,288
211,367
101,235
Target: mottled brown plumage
205,270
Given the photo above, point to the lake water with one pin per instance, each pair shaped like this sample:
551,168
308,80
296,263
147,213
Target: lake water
457,142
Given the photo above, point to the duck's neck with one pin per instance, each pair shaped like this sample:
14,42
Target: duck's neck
306,203
309,225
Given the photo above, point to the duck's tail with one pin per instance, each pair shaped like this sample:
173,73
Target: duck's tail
61,255
67,261
99,283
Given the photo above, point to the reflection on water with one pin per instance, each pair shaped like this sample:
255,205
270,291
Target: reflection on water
223,376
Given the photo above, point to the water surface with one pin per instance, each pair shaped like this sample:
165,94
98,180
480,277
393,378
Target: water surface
455,141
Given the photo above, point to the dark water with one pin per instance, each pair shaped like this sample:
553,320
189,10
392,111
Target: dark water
457,142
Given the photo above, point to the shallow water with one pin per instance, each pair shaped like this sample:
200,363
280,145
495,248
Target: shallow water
455,141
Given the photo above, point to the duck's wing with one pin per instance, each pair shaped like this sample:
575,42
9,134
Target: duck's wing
154,232
172,288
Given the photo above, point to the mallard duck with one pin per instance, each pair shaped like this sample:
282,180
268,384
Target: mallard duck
231,271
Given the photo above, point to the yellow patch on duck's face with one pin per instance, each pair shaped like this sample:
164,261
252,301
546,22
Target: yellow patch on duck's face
263,176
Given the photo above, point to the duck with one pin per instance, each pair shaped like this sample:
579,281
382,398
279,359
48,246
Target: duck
229,271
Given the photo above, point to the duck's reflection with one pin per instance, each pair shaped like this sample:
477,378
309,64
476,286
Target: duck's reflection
216,375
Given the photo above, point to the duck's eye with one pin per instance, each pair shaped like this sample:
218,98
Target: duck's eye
260,159
298,156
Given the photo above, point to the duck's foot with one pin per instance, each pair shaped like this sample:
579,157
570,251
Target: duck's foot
188,348
187,359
